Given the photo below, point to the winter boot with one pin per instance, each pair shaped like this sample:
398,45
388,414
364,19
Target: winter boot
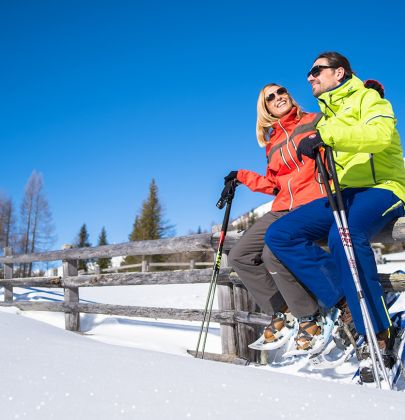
345,333
386,340
281,328
280,321
310,328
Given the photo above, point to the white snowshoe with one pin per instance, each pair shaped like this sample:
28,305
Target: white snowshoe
316,342
282,327
341,350
393,359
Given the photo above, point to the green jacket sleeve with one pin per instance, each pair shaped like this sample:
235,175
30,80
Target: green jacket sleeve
366,128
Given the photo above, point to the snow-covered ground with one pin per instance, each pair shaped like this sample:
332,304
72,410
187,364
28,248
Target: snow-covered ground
139,368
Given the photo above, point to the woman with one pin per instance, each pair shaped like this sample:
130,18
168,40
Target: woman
281,125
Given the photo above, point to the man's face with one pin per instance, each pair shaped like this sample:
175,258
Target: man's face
324,78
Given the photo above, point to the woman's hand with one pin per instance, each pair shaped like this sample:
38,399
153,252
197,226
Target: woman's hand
230,177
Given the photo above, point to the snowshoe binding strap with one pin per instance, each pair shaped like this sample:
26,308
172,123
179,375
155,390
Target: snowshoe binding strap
309,329
278,321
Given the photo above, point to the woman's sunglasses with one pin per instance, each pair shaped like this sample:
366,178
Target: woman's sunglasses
279,91
316,70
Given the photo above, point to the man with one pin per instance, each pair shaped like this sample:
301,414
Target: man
360,128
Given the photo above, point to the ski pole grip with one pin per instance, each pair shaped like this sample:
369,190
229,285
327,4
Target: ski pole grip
332,168
227,194
325,179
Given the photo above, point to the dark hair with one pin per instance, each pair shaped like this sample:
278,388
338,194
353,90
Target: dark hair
337,60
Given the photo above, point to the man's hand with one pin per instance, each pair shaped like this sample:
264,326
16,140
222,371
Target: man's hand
376,85
230,177
309,146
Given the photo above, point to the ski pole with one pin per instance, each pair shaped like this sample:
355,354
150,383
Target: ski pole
226,198
343,228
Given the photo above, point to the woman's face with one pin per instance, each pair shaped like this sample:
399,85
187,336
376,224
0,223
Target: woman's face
278,102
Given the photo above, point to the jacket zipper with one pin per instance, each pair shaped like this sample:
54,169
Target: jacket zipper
288,149
327,106
332,111
372,167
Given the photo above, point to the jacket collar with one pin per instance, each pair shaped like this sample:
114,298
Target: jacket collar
334,97
286,120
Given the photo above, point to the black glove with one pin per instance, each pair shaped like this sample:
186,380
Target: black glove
230,177
309,146
376,85
227,193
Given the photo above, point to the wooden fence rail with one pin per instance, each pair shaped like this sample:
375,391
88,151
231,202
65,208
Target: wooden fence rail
236,315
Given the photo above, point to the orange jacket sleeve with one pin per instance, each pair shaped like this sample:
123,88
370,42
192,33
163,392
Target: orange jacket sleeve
256,182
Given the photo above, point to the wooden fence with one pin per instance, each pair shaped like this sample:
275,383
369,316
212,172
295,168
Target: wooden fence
236,311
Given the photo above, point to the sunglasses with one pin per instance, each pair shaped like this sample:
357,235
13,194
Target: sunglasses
316,70
280,91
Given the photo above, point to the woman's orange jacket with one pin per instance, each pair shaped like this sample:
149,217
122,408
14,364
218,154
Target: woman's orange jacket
293,182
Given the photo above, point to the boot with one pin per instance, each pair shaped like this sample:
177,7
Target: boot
345,333
385,340
279,322
309,329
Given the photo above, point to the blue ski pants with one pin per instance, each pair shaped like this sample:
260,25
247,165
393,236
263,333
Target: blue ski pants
327,274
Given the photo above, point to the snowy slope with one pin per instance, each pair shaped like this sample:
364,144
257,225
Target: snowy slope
50,373
147,374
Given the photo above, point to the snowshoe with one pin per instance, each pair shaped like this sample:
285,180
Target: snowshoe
281,328
343,346
393,355
314,334
366,373
346,340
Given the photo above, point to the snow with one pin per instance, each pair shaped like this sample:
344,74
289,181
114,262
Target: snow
51,373
123,367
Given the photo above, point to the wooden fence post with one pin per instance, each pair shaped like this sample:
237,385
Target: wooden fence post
145,265
8,274
71,294
246,334
226,302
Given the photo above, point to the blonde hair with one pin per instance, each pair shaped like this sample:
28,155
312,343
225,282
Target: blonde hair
265,120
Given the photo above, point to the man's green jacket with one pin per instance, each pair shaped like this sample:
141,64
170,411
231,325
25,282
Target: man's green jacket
360,128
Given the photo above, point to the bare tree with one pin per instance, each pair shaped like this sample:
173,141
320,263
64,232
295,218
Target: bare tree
36,228
7,223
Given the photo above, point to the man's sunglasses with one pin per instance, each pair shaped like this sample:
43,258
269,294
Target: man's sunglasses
316,70
279,91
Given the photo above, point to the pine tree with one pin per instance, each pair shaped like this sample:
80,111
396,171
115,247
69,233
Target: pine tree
149,224
103,263
83,241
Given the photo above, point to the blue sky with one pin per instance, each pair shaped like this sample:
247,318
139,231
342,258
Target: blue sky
101,96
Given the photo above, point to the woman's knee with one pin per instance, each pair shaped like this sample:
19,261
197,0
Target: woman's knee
238,254
234,255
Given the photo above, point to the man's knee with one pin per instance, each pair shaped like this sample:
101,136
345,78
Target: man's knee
276,236
357,237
